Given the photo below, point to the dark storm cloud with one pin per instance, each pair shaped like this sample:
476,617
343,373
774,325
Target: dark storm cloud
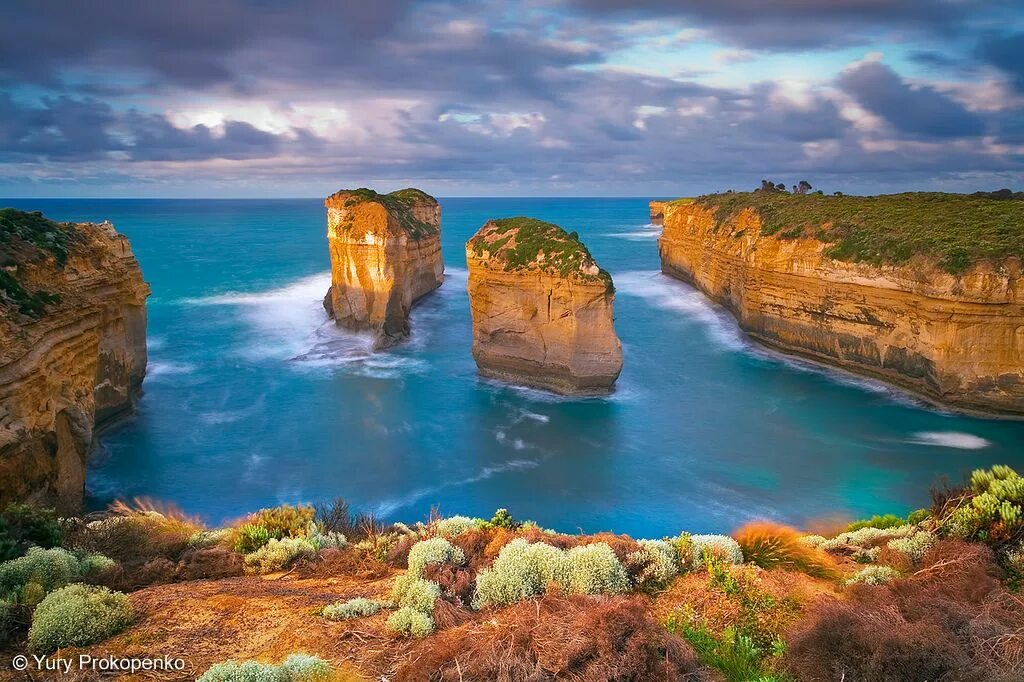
1007,53
70,129
799,24
916,110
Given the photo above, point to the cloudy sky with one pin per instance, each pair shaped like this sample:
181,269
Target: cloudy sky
539,97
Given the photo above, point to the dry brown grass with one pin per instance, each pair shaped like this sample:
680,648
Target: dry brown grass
555,637
950,620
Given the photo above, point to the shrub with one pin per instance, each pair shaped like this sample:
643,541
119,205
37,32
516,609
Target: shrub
285,521
733,654
26,525
502,519
655,564
410,590
867,537
7,621
594,569
251,537
50,569
295,668
771,545
456,525
337,517
306,668
683,546
277,555
914,546
881,522
433,551
721,546
873,575
139,534
918,516
522,570
360,607
411,622
991,509
77,615
320,539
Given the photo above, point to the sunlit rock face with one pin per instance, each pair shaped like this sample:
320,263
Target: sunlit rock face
542,309
385,255
657,212
954,339
72,350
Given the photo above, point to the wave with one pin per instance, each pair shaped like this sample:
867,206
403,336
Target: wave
646,235
290,324
667,293
389,507
162,368
950,439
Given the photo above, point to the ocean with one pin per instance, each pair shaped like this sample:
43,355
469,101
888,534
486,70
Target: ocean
253,398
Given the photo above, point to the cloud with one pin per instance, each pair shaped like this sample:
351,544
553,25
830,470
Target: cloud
918,110
1007,53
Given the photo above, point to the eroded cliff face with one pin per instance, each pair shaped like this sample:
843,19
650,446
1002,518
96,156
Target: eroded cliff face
385,255
657,212
542,309
955,339
67,365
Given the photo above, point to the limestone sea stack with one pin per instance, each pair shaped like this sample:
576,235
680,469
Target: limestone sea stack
542,309
920,290
385,255
72,350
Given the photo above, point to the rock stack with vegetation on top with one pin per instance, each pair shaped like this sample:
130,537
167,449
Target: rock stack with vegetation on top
385,255
542,308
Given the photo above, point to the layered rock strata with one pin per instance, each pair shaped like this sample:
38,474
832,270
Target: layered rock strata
72,350
542,309
954,338
657,209
385,255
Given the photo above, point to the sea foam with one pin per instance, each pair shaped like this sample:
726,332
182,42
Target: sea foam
950,439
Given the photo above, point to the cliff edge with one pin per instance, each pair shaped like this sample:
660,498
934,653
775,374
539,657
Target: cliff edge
542,308
72,349
921,290
385,255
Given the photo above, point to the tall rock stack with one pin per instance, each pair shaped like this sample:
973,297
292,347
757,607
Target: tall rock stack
72,350
542,309
385,255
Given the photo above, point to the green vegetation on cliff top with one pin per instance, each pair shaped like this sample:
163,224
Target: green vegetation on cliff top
399,204
955,230
519,242
27,237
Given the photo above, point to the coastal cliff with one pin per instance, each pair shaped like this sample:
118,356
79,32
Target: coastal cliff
657,212
385,255
542,308
72,349
924,291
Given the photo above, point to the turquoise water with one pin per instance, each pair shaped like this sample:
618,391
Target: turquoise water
253,398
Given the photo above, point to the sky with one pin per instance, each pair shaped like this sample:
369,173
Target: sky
262,98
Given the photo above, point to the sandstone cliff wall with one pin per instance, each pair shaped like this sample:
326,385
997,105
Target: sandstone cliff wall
657,211
70,369
957,340
384,257
539,327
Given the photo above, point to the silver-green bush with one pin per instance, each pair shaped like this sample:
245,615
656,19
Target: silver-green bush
594,569
277,555
295,668
411,622
433,551
454,526
522,570
411,591
77,615
914,546
722,546
658,561
360,607
50,569
873,575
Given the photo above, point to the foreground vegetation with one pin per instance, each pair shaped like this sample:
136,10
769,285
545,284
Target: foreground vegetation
317,593
954,230
27,237
399,204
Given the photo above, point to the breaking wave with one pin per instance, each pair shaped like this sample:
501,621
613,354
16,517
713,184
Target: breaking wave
950,439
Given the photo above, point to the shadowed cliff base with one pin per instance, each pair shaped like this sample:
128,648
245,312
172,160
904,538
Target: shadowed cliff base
541,308
922,290
385,255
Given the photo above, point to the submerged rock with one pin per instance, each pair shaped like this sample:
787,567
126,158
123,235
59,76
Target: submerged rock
385,255
542,308
72,350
